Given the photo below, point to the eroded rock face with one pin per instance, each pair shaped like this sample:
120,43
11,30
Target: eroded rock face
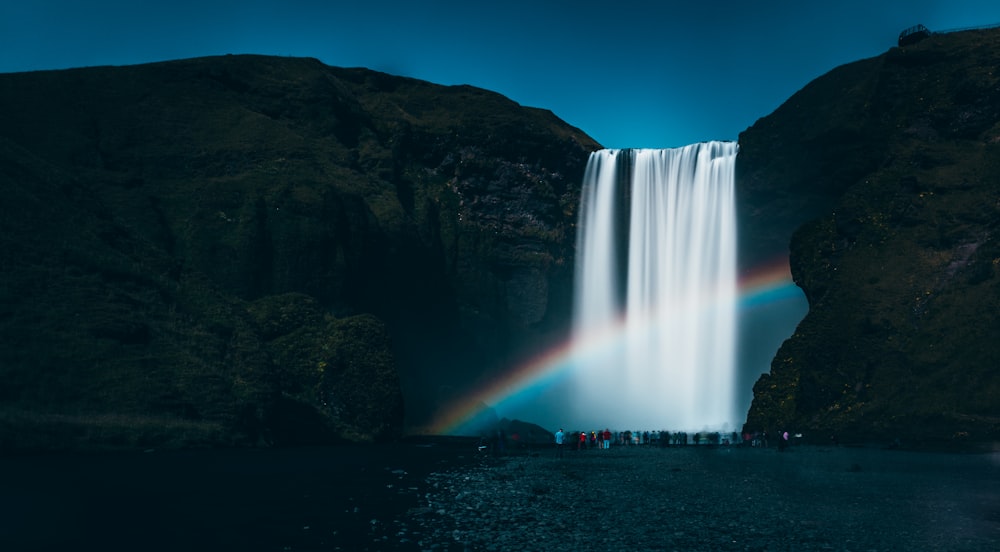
889,170
248,249
249,246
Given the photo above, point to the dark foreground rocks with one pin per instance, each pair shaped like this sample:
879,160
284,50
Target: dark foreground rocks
446,496
277,499
726,498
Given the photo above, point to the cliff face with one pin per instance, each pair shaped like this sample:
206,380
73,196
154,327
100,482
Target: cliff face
246,248
249,249
889,169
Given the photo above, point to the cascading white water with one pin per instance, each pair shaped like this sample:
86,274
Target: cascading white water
664,307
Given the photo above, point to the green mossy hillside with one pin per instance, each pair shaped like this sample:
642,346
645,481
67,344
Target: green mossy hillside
894,165
252,249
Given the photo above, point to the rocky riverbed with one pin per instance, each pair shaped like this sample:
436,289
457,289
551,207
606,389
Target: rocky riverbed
711,498
444,496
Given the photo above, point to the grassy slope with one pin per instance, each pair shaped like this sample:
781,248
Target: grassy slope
901,266
157,219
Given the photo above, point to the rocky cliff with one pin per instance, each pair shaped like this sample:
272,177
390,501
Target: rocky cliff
887,170
247,249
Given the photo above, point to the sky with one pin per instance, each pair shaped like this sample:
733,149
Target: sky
629,73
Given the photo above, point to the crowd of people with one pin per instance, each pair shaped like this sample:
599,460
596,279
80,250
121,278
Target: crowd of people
604,439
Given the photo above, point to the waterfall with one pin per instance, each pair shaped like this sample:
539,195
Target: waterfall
656,269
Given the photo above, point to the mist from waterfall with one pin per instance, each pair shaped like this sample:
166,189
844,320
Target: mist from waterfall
656,263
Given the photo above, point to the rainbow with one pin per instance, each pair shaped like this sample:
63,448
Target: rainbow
765,284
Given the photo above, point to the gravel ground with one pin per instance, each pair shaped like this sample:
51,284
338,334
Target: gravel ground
710,498
271,500
441,495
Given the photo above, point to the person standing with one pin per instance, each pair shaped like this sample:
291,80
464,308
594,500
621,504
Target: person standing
560,436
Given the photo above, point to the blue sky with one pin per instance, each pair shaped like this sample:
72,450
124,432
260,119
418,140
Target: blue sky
628,73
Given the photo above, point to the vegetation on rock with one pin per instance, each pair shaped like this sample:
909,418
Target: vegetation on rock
254,250
249,249
889,168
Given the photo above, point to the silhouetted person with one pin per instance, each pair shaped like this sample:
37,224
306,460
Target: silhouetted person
559,442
